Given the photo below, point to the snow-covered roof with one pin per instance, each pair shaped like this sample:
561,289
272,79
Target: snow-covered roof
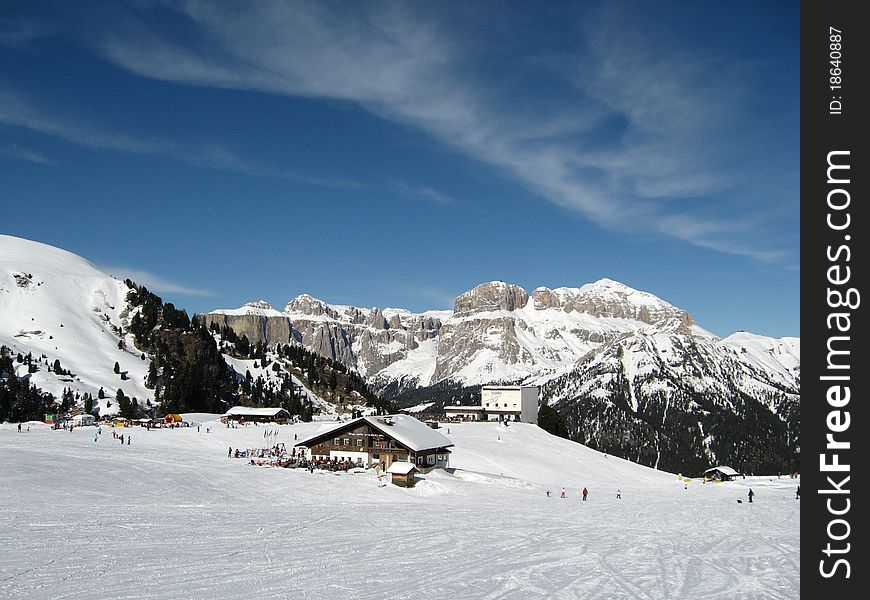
462,407
408,431
247,411
401,468
724,470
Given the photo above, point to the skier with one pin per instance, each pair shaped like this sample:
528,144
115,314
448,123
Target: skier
585,493
548,493
797,495
230,452
19,428
128,439
751,494
95,436
618,495
562,495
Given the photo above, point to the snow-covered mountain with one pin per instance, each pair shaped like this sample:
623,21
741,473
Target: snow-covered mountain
57,306
59,310
630,373
680,401
496,332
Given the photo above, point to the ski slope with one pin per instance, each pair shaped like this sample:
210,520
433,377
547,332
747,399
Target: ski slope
170,516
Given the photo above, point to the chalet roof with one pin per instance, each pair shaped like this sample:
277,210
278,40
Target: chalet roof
724,470
408,431
247,411
401,468
463,407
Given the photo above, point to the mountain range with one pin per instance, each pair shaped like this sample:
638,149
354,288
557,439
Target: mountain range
628,372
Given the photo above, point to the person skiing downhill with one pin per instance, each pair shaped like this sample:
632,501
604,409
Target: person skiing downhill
751,494
585,493
618,494
562,495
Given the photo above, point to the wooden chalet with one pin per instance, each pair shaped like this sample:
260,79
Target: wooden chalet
721,473
381,441
260,415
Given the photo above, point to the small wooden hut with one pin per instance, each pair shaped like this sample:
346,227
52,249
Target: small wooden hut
720,473
403,474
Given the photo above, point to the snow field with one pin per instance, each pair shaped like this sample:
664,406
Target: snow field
170,516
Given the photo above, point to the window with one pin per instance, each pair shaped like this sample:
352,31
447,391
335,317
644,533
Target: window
346,442
337,441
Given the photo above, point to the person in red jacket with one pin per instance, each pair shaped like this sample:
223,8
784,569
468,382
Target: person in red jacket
585,493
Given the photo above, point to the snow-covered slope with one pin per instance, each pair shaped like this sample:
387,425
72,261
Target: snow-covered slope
56,305
172,503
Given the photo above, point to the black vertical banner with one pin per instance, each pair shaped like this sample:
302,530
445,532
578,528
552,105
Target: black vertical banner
834,223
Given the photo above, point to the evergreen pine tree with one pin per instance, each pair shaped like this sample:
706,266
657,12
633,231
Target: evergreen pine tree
551,421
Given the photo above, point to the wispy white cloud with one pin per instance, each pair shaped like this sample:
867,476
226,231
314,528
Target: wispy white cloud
17,111
639,138
410,70
154,282
21,153
425,193
16,33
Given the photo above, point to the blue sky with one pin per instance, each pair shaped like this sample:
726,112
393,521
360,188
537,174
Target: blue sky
398,154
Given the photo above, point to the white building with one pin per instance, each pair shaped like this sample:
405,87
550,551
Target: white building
510,403
464,412
83,419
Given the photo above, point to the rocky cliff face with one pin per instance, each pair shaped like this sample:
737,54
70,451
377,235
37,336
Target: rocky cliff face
366,339
496,331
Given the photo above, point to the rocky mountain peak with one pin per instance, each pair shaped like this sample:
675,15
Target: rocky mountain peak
609,298
309,305
259,304
494,295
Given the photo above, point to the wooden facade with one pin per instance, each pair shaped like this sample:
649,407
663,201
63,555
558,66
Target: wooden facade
367,443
